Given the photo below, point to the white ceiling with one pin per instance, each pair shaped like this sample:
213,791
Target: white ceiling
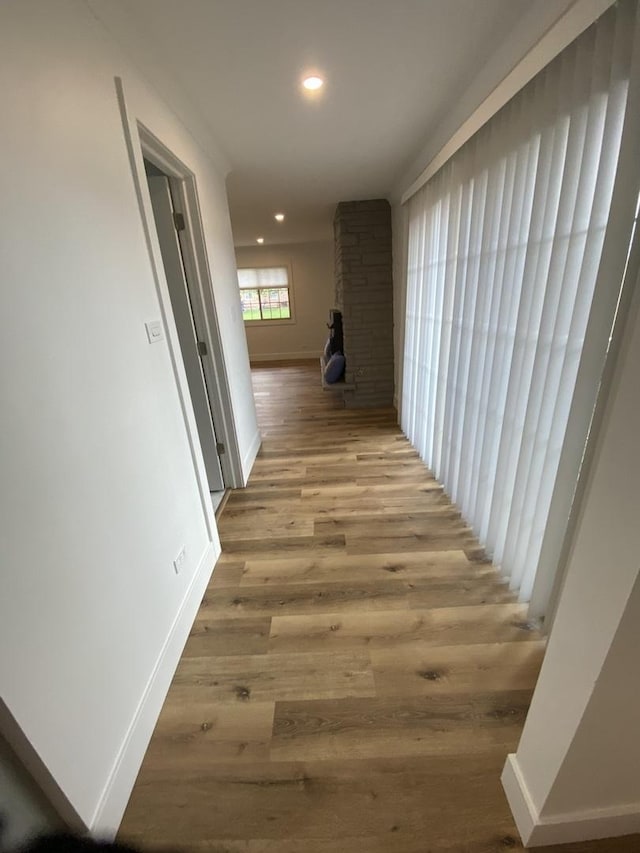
397,74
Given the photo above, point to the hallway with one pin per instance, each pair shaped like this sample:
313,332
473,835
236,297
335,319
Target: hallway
356,674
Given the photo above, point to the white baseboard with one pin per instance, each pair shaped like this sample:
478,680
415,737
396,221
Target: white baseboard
285,356
250,457
117,791
524,812
537,831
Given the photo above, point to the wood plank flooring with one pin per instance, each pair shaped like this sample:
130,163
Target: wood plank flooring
357,673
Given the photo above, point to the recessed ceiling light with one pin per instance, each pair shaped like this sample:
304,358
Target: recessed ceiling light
259,239
279,217
312,83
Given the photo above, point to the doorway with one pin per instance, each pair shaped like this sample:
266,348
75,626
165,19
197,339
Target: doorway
171,228
142,144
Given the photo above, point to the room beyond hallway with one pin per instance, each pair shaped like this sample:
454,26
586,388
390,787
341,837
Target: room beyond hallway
357,673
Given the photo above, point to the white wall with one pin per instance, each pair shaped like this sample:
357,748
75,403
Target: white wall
99,487
312,271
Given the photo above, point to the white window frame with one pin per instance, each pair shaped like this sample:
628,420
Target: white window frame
265,322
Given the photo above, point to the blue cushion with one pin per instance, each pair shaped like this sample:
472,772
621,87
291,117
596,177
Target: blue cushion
335,368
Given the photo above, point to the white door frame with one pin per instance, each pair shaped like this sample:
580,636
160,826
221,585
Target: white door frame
141,142
179,292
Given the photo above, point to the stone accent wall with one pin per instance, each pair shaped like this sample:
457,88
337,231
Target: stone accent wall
364,294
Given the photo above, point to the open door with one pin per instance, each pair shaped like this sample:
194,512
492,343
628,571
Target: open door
192,350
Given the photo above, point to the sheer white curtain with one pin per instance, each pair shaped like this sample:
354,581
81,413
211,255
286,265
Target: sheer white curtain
503,251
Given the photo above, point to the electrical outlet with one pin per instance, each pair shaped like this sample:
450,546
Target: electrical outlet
178,563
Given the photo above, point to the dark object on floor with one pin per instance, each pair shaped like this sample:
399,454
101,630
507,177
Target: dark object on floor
336,338
334,369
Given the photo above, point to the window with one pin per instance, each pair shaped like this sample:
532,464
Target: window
265,294
504,249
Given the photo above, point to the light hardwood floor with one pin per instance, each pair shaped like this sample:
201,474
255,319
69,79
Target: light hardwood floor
356,674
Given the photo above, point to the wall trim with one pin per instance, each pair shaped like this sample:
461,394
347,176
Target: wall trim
524,811
537,831
250,456
285,356
116,793
568,27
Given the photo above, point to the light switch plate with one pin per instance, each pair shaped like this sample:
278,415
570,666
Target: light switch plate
155,332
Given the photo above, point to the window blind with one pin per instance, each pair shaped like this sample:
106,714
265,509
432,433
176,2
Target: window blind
503,250
263,277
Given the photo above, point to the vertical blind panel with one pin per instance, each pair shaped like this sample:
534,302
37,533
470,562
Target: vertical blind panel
503,250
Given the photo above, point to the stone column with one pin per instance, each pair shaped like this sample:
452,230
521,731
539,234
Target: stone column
364,294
